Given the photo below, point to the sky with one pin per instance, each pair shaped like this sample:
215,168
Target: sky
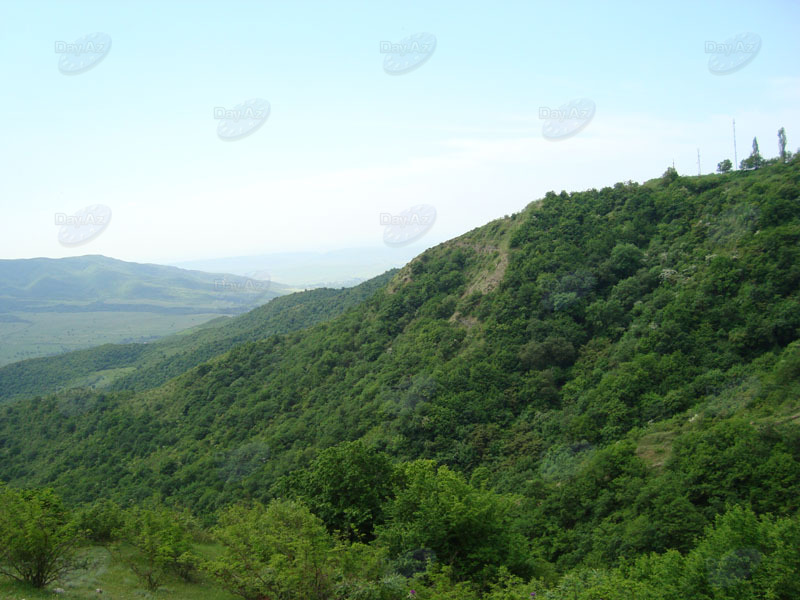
456,128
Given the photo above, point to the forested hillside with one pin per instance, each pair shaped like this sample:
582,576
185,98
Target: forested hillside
597,397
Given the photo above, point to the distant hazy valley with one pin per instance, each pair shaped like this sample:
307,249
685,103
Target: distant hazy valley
336,268
49,306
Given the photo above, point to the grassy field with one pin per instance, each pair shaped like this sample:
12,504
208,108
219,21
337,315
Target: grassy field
116,581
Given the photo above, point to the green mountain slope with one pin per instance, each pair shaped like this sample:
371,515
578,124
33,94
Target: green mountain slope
143,366
625,361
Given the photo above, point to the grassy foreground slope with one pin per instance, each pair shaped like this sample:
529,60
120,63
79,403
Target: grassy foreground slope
115,580
624,361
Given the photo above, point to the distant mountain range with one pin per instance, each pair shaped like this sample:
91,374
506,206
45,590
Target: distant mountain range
50,305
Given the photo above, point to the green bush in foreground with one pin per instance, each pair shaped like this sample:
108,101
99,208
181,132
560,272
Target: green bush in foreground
38,538
101,520
160,541
277,551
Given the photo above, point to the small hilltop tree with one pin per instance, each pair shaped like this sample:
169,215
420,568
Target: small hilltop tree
755,160
725,166
782,144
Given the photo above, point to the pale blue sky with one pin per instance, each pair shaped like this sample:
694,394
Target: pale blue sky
345,141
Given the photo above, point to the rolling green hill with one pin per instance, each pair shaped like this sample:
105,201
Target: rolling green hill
608,383
49,306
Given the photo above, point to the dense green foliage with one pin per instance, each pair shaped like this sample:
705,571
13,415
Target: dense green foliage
347,486
596,397
278,551
37,537
470,530
160,539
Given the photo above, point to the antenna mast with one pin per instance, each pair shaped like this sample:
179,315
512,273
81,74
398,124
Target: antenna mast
735,157
698,162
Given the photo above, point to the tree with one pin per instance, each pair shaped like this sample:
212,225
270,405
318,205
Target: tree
436,513
755,160
625,259
782,144
755,155
38,538
101,520
725,166
670,175
160,539
347,486
745,556
277,551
